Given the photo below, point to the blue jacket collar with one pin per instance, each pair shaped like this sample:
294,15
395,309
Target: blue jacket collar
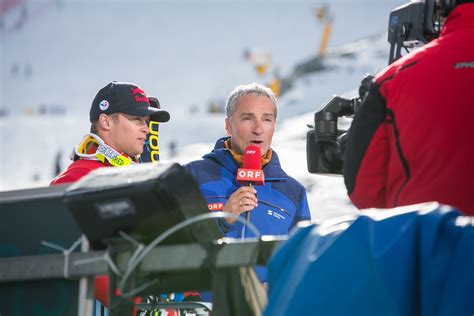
272,170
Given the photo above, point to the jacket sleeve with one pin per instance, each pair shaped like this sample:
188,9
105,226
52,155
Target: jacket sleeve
194,169
224,226
366,155
302,213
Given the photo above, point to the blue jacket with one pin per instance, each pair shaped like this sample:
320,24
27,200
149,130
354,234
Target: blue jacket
282,200
411,261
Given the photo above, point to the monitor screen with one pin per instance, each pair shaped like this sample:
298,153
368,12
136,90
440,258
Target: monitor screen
141,200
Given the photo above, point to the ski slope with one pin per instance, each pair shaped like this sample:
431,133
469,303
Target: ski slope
187,53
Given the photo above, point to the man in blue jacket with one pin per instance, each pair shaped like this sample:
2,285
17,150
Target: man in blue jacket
276,206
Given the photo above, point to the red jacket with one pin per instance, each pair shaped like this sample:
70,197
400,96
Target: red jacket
411,140
77,170
74,172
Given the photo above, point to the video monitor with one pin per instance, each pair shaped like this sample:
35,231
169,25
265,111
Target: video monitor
141,200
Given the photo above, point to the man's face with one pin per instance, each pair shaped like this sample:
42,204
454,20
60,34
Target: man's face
252,123
128,133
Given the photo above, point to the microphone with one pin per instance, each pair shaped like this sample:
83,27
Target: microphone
251,173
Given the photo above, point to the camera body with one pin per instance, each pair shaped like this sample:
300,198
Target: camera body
414,23
325,141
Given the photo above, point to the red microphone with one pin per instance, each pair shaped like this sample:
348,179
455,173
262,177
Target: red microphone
251,172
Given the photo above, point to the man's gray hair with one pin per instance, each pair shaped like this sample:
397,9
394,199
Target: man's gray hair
253,89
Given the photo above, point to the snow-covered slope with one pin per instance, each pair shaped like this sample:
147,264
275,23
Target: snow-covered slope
187,53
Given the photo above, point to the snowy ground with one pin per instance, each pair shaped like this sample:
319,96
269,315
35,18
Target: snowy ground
187,53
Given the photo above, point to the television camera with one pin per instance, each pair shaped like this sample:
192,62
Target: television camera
410,25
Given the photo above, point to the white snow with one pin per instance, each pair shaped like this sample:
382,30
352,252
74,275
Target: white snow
187,53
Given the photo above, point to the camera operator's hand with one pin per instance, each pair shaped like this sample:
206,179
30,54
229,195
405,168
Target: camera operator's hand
244,199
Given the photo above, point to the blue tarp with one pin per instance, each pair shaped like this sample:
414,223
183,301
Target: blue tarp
416,260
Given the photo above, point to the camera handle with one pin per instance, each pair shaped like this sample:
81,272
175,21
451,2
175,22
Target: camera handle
325,143
323,150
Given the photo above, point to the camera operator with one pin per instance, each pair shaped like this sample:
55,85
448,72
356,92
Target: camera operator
411,140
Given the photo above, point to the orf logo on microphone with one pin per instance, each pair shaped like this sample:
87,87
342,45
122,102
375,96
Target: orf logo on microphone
250,174
251,171
255,176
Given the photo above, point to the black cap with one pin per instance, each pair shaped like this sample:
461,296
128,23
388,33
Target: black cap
127,98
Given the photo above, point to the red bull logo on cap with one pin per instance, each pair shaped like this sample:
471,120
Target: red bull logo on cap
139,95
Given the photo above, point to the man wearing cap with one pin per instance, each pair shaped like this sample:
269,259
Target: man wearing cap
119,118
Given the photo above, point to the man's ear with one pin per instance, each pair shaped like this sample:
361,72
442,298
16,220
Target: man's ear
227,126
104,122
